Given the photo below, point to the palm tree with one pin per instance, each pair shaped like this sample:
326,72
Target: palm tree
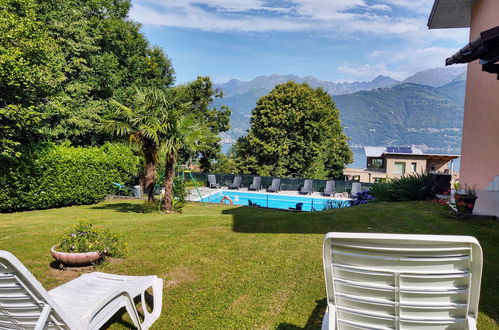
143,123
187,134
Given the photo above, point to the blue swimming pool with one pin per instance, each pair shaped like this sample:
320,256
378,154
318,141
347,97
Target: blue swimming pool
276,201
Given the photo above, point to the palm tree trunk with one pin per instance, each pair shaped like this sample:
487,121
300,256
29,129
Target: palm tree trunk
151,156
171,160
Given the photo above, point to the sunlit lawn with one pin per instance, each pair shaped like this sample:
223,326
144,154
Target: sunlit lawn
238,267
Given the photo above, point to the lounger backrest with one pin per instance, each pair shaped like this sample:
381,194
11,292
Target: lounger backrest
212,179
237,181
308,184
356,187
257,181
276,183
330,186
397,281
24,303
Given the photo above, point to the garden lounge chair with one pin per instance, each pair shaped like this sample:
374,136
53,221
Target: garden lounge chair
308,187
298,207
87,302
330,188
236,184
212,181
274,187
250,203
394,281
257,183
356,188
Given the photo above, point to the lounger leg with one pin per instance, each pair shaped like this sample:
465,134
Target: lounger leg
157,292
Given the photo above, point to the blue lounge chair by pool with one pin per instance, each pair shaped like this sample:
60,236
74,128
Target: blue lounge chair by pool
236,184
308,187
250,203
274,187
298,207
212,181
257,183
330,188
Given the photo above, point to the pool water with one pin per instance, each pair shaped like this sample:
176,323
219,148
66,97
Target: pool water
277,201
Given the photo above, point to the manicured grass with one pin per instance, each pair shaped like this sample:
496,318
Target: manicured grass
238,267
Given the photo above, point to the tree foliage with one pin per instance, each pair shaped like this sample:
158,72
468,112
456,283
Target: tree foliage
198,96
60,62
295,131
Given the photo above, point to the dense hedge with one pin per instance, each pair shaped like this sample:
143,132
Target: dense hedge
53,176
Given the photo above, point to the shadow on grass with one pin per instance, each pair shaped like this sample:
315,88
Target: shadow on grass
118,319
261,220
408,218
120,207
314,321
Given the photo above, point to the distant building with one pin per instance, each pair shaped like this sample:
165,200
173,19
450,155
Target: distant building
393,162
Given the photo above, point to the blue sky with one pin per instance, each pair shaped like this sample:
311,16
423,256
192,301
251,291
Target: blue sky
334,40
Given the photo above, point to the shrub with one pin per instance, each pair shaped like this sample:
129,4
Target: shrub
383,191
410,187
53,176
86,238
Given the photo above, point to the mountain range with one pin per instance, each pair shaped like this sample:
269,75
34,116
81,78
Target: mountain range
424,110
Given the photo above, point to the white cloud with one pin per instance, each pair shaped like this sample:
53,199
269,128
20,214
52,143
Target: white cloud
418,6
370,71
322,16
403,62
381,7
198,19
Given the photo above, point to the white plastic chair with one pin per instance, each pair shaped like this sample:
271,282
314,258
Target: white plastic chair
87,302
356,188
392,281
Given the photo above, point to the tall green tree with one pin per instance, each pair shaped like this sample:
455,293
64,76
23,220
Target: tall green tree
198,96
144,123
295,131
31,70
106,56
61,61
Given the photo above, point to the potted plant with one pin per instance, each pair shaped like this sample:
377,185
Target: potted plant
86,245
465,199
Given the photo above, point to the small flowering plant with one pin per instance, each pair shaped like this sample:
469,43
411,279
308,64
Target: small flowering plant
463,207
465,199
85,237
439,201
363,197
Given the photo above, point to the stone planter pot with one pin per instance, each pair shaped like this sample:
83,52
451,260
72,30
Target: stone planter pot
75,259
469,202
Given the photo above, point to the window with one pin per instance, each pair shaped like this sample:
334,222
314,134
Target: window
399,168
414,167
377,162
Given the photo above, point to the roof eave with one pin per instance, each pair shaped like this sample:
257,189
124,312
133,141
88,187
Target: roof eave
450,14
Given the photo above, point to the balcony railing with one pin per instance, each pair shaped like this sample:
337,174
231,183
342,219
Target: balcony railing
376,169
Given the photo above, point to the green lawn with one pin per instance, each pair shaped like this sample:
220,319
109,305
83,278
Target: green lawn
239,267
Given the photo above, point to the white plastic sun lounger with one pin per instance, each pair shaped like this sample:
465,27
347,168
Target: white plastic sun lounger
87,302
391,281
